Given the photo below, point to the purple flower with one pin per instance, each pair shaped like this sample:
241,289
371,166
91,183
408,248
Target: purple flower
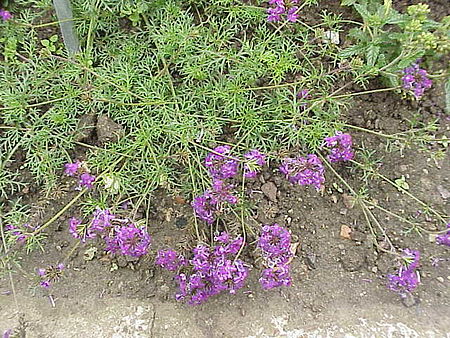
221,193
340,147
71,169
86,180
170,260
407,278
304,170
101,220
275,277
212,271
7,333
5,15
255,160
275,243
444,239
129,240
50,275
416,80
205,208
219,166
292,14
404,282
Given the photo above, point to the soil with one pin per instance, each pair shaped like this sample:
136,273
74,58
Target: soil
339,285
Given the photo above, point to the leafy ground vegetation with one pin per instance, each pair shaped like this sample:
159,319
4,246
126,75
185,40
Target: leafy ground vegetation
199,100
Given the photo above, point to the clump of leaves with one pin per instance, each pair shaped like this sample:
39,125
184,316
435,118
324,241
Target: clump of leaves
389,41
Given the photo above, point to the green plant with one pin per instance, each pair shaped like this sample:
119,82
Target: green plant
390,41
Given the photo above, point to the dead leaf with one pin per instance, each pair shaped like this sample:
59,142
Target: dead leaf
293,250
345,232
179,200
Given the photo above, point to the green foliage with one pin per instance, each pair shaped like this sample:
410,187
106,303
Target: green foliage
390,41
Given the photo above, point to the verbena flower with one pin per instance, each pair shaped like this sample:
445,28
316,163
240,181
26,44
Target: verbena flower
5,15
101,220
304,170
407,278
444,239
87,180
416,80
170,260
221,192
282,7
340,147
205,208
210,271
219,166
50,275
71,169
275,245
129,240
275,277
254,161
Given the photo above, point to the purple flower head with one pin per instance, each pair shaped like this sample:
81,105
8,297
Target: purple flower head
7,333
340,147
275,243
221,193
292,14
170,260
87,180
205,208
275,277
101,220
416,80
129,240
213,270
50,275
404,282
255,160
219,166
71,169
5,15
304,170
444,239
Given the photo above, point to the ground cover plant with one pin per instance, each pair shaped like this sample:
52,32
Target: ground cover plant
198,99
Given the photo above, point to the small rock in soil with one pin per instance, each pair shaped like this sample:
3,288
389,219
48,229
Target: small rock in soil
269,189
181,222
86,127
122,261
445,194
108,130
353,259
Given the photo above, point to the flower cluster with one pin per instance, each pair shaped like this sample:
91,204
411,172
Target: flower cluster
340,147
122,237
86,180
50,274
128,239
221,167
210,271
283,7
275,244
5,15
444,239
407,278
170,260
304,170
416,80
